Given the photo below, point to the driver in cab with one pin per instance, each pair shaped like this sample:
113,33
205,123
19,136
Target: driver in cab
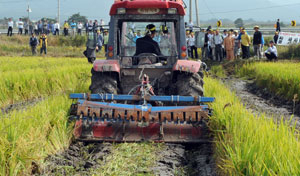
146,44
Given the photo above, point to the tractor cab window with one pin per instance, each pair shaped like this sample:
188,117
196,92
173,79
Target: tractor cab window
165,37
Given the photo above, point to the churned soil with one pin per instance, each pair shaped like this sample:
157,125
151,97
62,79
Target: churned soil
80,158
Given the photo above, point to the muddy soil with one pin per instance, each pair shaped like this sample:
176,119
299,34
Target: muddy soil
261,101
186,159
19,106
79,159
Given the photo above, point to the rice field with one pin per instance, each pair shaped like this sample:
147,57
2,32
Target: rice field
244,144
280,78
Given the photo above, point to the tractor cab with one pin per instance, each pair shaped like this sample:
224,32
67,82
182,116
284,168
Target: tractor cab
129,20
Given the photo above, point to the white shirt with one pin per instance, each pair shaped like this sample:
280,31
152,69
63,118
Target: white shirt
218,39
11,24
211,40
20,24
191,41
102,22
56,26
36,26
79,26
272,50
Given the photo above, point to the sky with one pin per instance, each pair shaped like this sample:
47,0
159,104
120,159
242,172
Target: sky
260,10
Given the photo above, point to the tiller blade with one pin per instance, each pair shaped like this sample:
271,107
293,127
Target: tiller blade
114,122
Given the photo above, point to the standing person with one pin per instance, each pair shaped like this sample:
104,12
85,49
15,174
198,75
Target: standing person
36,29
40,27
10,27
45,27
20,26
257,41
79,27
99,41
86,25
26,27
225,34
191,44
43,43
236,44
91,46
218,39
205,49
33,42
73,25
278,26
56,28
30,28
211,45
275,38
187,35
101,23
66,28
271,52
229,43
245,43
105,39
96,26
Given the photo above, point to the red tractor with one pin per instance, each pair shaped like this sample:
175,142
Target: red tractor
144,97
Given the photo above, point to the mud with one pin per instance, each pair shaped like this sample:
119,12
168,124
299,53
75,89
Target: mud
79,159
19,106
260,100
189,159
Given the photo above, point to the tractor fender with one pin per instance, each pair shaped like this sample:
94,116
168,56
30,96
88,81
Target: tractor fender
187,66
107,66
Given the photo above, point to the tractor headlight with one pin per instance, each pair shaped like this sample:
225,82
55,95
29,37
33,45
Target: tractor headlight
121,11
172,11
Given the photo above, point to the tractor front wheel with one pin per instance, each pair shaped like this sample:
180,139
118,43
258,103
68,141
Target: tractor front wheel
103,83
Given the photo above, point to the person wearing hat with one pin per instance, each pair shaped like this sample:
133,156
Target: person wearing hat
257,41
146,44
275,38
271,52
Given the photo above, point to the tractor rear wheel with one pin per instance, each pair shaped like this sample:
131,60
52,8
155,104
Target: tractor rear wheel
190,84
103,83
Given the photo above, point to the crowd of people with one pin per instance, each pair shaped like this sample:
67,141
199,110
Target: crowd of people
231,44
44,27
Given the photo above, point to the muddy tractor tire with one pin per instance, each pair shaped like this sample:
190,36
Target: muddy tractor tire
103,83
190,84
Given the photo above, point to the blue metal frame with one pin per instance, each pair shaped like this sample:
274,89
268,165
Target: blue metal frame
143,108
111,97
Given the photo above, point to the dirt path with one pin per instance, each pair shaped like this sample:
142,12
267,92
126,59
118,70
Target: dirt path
260,101
79,159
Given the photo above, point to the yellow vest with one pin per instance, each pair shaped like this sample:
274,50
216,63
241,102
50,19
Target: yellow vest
245,39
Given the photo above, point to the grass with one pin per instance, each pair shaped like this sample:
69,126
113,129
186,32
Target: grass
30,78
57,46
130,159
29,136
246,144
281,78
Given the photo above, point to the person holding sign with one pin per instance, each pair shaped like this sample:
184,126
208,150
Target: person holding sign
271,52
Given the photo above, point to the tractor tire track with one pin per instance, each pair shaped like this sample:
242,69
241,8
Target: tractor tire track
81,158
261,101
187,159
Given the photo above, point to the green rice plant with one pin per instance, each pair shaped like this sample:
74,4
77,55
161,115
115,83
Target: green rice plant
130,159
280,78
41,81
218,71
246,144
28,136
